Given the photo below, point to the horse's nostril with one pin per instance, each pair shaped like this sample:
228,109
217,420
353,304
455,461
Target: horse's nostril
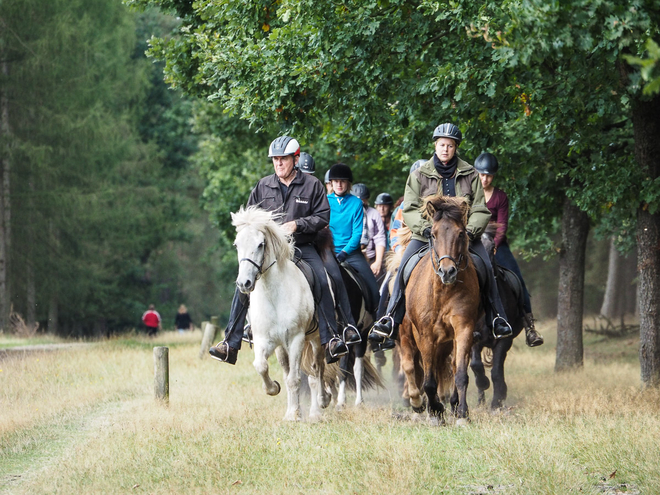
248,284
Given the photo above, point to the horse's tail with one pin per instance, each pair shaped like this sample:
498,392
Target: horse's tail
487,357
371,379
324,242
331,372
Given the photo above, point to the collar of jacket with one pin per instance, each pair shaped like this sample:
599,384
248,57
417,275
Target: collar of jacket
273,182
428,169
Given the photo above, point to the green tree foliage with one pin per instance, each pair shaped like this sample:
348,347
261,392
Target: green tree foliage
96,183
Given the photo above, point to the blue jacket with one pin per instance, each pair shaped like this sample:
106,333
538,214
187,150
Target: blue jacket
346,221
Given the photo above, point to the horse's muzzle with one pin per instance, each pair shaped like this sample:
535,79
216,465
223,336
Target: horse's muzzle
245,286
448,276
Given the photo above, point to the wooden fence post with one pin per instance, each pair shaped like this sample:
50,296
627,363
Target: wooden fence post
162,374
208,336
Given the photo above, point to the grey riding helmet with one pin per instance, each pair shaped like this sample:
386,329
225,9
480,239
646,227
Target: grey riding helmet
306,163
416,165
360,190
384,199
284,146
327,177
448,131
486,163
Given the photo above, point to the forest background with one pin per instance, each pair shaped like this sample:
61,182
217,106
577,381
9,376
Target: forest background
119,171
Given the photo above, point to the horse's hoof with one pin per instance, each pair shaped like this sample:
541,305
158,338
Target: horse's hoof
278,389
462,422
340,406
483,383
292,417
419,409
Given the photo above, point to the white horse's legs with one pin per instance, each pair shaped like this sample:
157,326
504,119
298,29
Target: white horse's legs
320,397
341,395
358,370
292,376
261,353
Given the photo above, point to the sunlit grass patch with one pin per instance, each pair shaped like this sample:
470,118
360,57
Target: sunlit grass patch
99,430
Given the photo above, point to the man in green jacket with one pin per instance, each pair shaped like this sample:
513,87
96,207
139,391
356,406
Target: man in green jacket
445,172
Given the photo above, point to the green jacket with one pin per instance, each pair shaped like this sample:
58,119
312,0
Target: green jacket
425,181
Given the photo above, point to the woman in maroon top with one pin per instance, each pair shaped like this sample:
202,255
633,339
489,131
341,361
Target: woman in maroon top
498,204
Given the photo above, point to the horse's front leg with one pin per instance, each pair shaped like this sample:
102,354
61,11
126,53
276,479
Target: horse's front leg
341,396
262,351
408,350
320,396
463,329
477,365
290,362
358,371
497,372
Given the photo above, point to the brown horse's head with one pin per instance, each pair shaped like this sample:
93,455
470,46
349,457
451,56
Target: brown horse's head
450,240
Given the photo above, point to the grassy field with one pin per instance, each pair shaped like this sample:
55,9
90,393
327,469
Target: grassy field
84,420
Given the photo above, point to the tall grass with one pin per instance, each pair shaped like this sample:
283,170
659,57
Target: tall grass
85,421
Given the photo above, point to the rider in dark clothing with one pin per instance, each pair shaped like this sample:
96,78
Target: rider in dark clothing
445,172
302,201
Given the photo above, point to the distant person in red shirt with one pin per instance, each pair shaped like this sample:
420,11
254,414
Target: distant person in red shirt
152,321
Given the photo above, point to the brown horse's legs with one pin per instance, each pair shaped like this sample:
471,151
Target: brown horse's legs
408,351
477,365
462,346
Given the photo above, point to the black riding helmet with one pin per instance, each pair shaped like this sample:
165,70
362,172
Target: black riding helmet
486,163
340,171
448,131
360,190
384,199
306,163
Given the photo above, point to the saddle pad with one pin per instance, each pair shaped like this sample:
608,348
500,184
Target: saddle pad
480,266
512,280
412,263
369,304
314,284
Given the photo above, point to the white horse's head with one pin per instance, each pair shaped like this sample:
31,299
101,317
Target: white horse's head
260,243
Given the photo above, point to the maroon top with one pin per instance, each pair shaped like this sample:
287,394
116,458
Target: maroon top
498,204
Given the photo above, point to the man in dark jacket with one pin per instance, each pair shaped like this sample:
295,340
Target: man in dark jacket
302,200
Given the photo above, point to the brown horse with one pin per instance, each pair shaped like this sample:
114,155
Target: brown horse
442,309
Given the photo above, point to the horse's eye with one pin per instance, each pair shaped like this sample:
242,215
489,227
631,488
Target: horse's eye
461,234
261,245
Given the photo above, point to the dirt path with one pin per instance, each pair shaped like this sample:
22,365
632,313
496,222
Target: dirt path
28,349
18,470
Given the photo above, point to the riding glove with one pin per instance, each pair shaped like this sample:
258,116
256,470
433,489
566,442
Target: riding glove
427,232
341,256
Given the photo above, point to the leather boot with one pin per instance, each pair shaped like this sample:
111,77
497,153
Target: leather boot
335,349
223,352
532,337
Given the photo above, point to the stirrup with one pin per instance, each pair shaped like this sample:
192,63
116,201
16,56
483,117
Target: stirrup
349,326
374,328
219,346
247,335
332,354
507,334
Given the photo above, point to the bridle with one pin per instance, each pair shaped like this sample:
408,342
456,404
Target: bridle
260,270
436,259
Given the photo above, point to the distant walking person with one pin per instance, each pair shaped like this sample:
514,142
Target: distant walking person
183,321
152,321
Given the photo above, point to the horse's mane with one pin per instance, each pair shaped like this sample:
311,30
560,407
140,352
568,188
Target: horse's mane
438,206
279,245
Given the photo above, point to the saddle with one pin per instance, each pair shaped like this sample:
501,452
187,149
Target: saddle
504,274
348,271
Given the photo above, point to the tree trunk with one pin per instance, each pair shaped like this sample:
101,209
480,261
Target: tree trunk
574,231
4,201
52,314
646,127
31,295
620,292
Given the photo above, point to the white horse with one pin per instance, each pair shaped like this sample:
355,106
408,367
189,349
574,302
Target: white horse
281,310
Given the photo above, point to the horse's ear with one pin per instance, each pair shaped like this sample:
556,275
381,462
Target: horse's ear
465,211
429,209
